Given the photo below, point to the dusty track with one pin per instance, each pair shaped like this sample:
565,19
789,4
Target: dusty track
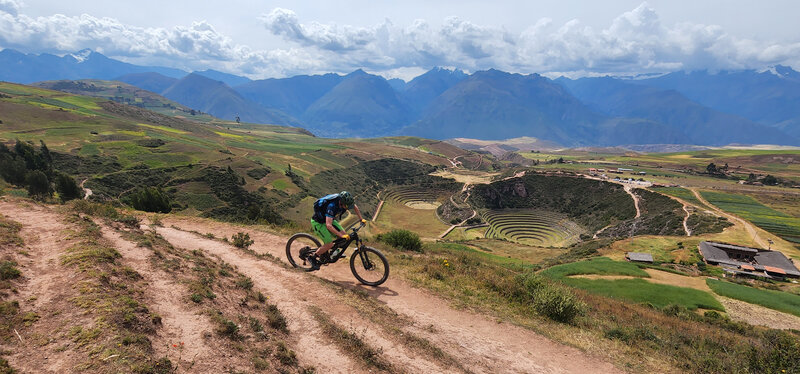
481,344
46,291
738,221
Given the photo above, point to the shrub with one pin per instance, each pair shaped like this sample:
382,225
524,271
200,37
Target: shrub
547,298
67,188
403,239
242,240
150,199
38,184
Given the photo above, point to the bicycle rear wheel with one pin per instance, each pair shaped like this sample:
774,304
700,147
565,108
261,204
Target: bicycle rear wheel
369,266
299,247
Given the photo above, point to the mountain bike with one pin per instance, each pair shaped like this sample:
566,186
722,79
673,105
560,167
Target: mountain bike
368,264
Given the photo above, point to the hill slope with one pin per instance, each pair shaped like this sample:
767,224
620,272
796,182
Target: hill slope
26,68
216,98
698,124
362,105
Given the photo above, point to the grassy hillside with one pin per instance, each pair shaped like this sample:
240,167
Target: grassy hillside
214,168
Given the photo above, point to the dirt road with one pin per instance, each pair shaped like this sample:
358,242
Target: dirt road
474,342
751,230
480,343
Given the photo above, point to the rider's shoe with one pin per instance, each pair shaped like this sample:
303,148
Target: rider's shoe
314,261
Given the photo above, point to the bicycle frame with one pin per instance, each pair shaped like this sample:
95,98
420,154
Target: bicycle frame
343,245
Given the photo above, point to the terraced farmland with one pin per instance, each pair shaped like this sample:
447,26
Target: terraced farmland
778,223
532,227
419,197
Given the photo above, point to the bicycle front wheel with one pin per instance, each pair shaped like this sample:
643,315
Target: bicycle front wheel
299,247
369,266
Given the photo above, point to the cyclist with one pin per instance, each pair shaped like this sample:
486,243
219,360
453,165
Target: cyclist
326,210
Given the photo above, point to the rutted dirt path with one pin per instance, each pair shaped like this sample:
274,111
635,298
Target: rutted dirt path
179,323
293,292
481,344
46,291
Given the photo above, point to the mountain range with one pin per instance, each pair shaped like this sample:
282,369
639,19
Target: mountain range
703,108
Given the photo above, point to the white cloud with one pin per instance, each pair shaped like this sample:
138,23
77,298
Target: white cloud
636,41
10,7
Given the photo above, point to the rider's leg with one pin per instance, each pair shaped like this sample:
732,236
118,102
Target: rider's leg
325,248
327,237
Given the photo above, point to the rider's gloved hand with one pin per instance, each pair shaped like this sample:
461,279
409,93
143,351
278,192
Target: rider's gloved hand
363,221
346,237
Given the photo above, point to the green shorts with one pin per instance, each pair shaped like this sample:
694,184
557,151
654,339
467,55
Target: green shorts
321,230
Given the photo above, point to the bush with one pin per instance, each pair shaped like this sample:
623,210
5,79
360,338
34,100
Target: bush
403,239
242,240
67,188
150,199
547,299
38,184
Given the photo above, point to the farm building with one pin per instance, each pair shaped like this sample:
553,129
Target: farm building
639,257
754,262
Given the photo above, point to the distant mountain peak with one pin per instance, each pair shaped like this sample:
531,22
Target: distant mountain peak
82,55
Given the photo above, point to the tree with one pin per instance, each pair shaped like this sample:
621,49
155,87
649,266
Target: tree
150,199
770,180
711,168
66,187
38,184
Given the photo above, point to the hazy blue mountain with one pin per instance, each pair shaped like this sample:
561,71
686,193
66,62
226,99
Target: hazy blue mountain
229,79
701,125
291,95
397,84
766,97
150,81
421,91
27,68
216,98
361,105
498,105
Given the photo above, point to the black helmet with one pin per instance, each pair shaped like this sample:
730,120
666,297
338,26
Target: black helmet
346,198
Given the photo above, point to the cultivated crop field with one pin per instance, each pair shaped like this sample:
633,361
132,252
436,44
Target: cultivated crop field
532,227
781,301
778,223
635,288
417,197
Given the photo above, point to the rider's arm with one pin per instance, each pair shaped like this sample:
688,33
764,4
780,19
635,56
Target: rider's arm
358,212
333,229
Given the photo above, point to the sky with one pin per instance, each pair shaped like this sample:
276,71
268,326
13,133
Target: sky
265,39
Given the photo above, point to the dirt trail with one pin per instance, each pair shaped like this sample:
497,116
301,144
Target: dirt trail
749,227
628,189
86,192
293,292
46,291
179,323
482,344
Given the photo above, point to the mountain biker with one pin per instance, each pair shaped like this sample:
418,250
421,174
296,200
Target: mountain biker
325,225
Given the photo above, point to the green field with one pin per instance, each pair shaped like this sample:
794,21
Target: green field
635,290
778,223
599,266
781,301
682,194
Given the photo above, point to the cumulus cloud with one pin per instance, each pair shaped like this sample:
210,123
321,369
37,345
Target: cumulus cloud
636,41
10,7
